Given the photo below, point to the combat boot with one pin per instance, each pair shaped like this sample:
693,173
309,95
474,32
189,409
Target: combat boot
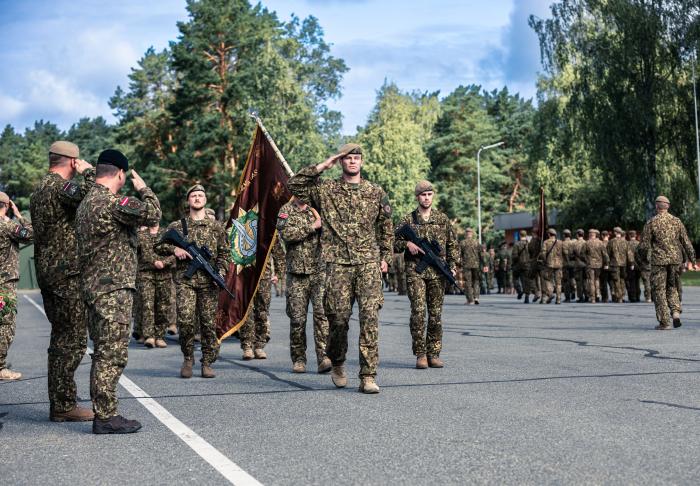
421,362
8,375
435,362
338,376
260,353
476,301
186,370
76,414
299,367
160,343
535,298
527,299
325,365
172,329
368,385
207,372
115,425
247,354
663,327
150,343
550,299
520,295
677,320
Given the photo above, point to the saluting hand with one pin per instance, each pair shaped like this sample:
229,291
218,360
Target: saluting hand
329,162
81,165
15,210
137,181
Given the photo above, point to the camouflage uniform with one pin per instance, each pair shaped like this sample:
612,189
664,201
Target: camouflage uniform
12,233
426,290
618,250
305,275
633,271
521,261
154,287
534,247
53,205
198,297
400,270
666,239
552,259
578,247
502,263
569,276
642,259
106,226
596,257
356,235
471,268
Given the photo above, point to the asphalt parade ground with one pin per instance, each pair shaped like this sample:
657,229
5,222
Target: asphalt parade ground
536,394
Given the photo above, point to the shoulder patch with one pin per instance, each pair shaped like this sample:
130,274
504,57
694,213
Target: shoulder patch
71,188
124,201
283,215
21,231
386,205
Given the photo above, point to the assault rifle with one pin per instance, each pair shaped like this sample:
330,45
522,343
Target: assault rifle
430,256
200,258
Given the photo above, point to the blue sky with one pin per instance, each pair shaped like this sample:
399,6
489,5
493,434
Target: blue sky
63,59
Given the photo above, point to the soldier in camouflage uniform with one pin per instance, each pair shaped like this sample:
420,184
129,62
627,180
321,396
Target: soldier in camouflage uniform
356,244
534,247
633,288
197,297
569,272
400,270
596,256
665,237
12,234
105,226
299,226
618,251
580,266
53,205
604,272
471,266
154,288
486,266
521,262
642,259
426,290
552,260
491,276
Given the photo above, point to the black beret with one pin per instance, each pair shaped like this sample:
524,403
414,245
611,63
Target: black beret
115,158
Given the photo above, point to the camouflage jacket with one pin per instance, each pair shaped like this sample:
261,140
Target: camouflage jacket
357,226
619,252
520,255
568,252
201,232
105,226
486,261
665,236
12,233
534,247
595,254
503,257
302,241
632,251
552,254
577,248
147,255
439,229
471,253
53,205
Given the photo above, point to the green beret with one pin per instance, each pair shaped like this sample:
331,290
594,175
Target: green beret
423,186
350,148
67,149
196,187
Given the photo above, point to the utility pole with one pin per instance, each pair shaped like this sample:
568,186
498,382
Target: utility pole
478,181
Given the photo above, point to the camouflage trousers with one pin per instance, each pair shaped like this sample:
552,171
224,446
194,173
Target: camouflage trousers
156,311
109,317
633,285
617,283
593,283
255,333
665,280
581,282
426,294
300,290
345,285
604,282
523,281
646,278
552,282
196,308
67,313
471,283
7,322
500,280
569,282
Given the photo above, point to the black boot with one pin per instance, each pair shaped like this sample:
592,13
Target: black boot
527,299
115,425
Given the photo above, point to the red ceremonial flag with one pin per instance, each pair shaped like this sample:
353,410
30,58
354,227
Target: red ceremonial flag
252,231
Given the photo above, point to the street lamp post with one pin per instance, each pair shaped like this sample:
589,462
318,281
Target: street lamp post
697,132
478,181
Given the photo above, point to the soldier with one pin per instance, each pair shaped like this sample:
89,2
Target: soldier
633,289
521,264
665,237
12,233
502,264
400,273
154,287
426,290
299,226
604,273
197,297
470,253
596,257
491,276
534,247
552,260
618,251
642,259
356,244
255,333
569,271
53,205
509,269
580,266
105,225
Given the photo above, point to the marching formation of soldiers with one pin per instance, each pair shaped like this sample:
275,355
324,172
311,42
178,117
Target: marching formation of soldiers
101,261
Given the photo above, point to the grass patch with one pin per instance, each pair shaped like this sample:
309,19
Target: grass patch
691,279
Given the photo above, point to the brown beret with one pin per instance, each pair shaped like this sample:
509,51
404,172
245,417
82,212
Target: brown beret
567,232
580,231
593,230
470,230
552,231
663,199
617,229
4,198
632,233
350,148
67,149
423,186
196,187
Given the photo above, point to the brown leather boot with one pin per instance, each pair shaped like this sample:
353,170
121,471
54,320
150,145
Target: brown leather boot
8,375
368,385
247,354
172,329
160,343
299,367
260,353
150,343
186,370
421,362
207,372
435,362
76,414
325,365
338,376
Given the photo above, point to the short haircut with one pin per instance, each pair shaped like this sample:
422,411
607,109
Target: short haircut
106,170
56,159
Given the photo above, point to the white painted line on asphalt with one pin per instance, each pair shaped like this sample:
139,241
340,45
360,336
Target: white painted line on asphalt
227,468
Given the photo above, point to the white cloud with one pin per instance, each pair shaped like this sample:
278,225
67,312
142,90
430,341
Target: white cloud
61,96
11,107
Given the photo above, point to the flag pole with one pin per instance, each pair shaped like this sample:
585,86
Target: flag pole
280,157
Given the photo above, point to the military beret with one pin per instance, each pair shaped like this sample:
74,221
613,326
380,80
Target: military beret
580,231
4,198
593,230
632,232
468,230
423,186
567,232
67,149
196,187
115,158
552,231
523,232
617,229
350,148
663,199
605,232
